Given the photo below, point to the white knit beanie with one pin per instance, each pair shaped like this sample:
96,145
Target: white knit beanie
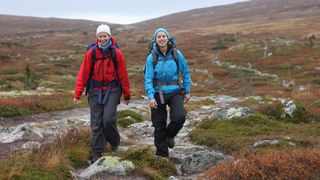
103,28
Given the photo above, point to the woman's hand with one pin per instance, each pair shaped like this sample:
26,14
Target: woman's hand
186,98
76,101
126,102
153,103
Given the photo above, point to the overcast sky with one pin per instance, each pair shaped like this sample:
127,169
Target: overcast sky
114,11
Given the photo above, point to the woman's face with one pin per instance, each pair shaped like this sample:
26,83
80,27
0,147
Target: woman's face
103,38
161,39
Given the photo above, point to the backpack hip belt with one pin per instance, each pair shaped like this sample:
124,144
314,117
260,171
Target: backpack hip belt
103,96
161,83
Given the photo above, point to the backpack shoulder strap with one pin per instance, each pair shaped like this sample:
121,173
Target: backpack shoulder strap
93,57
114,60
176,59
155,58
175,56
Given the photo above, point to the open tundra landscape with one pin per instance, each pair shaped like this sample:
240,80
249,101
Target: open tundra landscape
254,111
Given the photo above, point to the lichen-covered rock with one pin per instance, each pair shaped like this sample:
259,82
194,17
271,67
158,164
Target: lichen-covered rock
107,164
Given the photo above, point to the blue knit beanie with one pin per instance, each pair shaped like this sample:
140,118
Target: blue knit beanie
161,30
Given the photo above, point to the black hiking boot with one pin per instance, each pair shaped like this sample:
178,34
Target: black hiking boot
95,157
171,142
114,148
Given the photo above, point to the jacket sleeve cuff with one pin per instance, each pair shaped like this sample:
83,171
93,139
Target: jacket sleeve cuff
150,97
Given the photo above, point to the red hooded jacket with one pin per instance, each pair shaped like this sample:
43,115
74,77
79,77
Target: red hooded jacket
103,70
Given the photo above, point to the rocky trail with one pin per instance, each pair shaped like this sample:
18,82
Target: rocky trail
31,131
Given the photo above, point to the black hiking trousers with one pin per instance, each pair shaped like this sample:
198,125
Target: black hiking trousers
103,120
162,131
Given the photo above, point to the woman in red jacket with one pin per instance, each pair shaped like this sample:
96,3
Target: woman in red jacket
104,73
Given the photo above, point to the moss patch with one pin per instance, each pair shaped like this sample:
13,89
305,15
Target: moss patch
240,133
149,165
128,117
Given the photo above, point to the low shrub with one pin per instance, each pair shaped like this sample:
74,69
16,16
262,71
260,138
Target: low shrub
296,164
19,106
274,109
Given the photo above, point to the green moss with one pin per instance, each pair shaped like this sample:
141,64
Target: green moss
241,132
232,135
125,122
9,71
128,117
167,167
55,105
149,165
250,102
34,173
242,74
287,144
207,102
138,117
37,173
9,111
197,104
136,155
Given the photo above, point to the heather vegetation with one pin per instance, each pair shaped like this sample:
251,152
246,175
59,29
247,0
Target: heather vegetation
292,148
269,164
71,151
25,105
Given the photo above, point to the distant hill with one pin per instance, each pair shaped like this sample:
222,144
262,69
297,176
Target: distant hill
254,10
25,24
236,33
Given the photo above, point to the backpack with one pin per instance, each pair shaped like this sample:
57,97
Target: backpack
155,61
94,59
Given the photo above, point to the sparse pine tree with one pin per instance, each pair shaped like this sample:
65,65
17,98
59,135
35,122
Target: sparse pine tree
309,41
230,38
27,82
30,80
219,45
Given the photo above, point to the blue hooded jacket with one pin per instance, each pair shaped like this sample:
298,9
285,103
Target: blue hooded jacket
165,70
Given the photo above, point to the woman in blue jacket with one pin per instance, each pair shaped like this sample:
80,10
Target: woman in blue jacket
163,87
